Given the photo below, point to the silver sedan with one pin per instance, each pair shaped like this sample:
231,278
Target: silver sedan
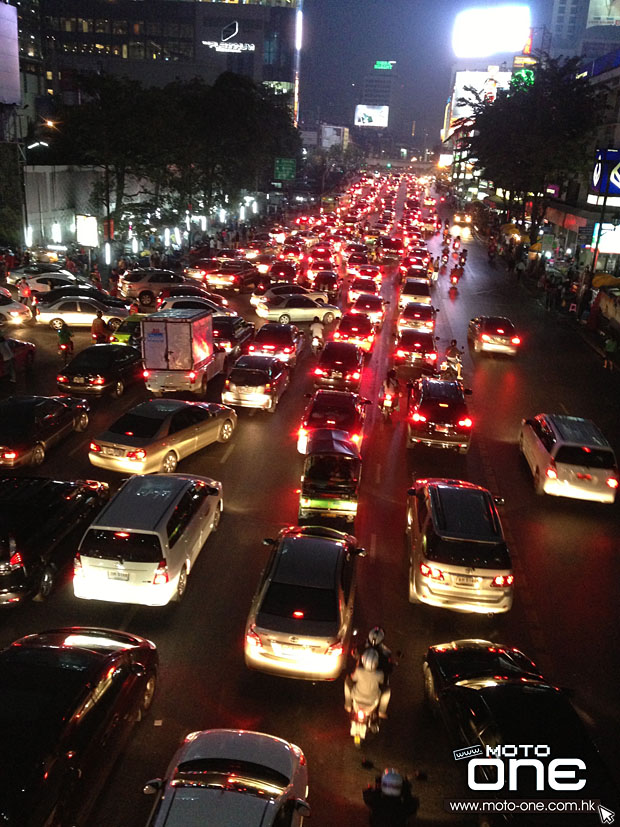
155,435
286,309
286,289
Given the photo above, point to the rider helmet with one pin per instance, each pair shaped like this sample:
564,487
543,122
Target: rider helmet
370,660
391,782
376,636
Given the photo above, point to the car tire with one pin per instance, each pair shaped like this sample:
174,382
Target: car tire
56,324
38,454
146,298
284,319
46,583
413,598
328,318
147,696
81,422
226,431
169,463
181,585
217,517
118,389
114,323
430,696
538,483
272,405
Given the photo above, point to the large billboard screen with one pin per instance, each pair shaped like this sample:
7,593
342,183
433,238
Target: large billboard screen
10,91
603,13
371,115
485,83
491,30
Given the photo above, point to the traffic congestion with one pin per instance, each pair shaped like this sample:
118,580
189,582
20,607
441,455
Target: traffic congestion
296,512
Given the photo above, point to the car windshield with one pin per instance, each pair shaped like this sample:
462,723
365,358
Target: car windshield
131,424
314,604
585,456
125,546
245,376
273,336
331,470
468,553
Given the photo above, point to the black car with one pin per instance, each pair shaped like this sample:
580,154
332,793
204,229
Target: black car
283,271
83,291
488,695
30,425
416,349
284,341
190,290
232,333
34,551
101,368
340,410
327,281
340,367
69,699
437,415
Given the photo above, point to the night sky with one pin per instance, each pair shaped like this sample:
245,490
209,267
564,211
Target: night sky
343,38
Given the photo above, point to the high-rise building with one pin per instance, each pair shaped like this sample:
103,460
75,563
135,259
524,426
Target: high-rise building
383,87
587,28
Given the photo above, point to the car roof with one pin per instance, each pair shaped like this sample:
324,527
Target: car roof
251,362
574,429
465,512
273,327
342,399
257,747
153,495
26,402
342,348
159,408
442,388
307,561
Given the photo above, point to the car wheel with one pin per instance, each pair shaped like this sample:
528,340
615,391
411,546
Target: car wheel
56,324
38,454
539,483
430,695
272,405
413,598
225,431
113,323
118,389
328,318
285,319
217,517
169,463
46,583
81,422
146,298
181,585
147,696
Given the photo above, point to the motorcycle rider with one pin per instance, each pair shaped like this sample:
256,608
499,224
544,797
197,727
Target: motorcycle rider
366,684
99,329
316,333
453,358
391,387
390,801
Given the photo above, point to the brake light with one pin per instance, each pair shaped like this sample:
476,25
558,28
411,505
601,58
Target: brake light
612,482
96,380
15,561
336,334
431,571
161,576
146,374
418,417
360,715
61,378
503,580
355,375
287,350
9,455
267,387
302,432
298,614
485,337
77,565
94,447
356,438
252,638
431,356
251,348
401,354
139,455
192,376
515,340
319,372
551,473
465,423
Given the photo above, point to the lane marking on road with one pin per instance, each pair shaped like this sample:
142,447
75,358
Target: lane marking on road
564,408
158,722
79,447
378,474
227,453
373,546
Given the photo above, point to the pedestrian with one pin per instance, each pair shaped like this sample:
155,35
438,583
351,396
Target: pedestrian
95,277
8,359
99,329
610,348
236,240
134,307
24,291
519,270
113,282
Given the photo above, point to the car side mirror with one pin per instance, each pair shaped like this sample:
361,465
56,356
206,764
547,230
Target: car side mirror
302,807
153,786
268,541
212,491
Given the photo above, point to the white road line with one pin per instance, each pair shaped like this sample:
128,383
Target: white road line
564,408
373,546
227,453
79,447
378,474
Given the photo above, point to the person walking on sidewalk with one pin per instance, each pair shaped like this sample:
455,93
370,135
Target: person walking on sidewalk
610,348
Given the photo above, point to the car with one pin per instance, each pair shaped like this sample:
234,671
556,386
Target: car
341,410
142,547
23,354
129,331
356,328
233,334
291,251
191,290
82,289
370,271
437,415
415,290
232,776
415,349
418,269
287,289
490,695
146,284
569,457
263,262
328,283
235,275
256,382
100,369
34,552
76,311
372,306
462,218
156,435
81,690
30,270
282,341
493,334
316,267
367,286
417,317
285,309
201,267
301,618
31,425
13,312
283,271
340,367
253,249
228,253
47,282
458,557
355,261
192,303
392,247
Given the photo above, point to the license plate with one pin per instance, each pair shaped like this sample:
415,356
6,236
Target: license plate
337,374
465,580
118,575
113,452
287,651
79,380
442,429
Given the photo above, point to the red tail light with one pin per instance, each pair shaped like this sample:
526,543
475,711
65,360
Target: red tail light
612,482
192,376
401,354
146,374
361,715
62,379
161,576
431,356
77,565
431,571
515,340
9,455
319,372
503,580
465,423
252,638
227,384
64,347
15,561
251,348
356,438
139,454
336,334
302,432
551,473
418,417
485,337
268,387
96,380
355,375
94,447
287,350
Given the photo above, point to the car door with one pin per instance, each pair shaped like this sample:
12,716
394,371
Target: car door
88,311
279,377
303,308
182,433
68,311
418,528
53,421
474,329
206,424
347,584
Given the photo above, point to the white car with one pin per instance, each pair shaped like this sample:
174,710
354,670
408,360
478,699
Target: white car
78,312
287,309
230,777
287,289
13,312
45,282
194,303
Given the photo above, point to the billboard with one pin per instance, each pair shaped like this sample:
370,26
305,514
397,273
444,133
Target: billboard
610,238
485,83
491,30
603,13
605,181
371,115
86,233
10,91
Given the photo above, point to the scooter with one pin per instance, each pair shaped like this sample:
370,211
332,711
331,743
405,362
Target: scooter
463,258
364,719
65,350
387,406
316,345
450,369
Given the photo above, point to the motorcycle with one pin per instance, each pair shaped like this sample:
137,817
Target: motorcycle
454,278
316,345
451,369
387,405
456,244
65,350
463,258
364,719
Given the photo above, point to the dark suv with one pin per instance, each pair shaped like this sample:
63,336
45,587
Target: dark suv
284,341
437,415
340,367
232,333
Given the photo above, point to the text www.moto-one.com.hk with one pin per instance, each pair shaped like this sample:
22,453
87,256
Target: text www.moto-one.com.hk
525,805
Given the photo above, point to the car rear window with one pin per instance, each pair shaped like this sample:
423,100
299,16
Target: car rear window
468,553
131,424
340,418
423,312
126,546
497,325
334,352
244,376
209,771
365,284
282,599
94,360
585,456
368,303
415,339
358,324
416,289
273,336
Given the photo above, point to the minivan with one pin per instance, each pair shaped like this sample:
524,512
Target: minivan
143,545
415,290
